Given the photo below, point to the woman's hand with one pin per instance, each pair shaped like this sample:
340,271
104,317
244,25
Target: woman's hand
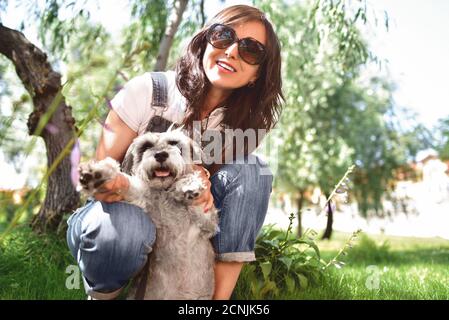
113,190
205,199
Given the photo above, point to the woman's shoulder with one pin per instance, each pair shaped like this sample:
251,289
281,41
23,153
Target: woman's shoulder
145,80
175,109
176,103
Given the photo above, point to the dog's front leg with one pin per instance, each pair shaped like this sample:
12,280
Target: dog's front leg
137,192
94,174
188,188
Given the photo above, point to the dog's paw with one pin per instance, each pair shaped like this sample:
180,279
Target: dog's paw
189,188
191,194
94,173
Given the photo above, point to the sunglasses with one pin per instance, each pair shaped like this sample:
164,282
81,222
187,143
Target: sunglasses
250,50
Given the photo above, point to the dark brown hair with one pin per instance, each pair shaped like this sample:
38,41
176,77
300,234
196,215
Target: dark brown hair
256,107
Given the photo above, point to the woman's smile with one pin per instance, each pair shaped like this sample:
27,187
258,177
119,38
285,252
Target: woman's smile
225,67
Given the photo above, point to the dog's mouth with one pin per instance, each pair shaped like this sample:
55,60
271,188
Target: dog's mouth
162,173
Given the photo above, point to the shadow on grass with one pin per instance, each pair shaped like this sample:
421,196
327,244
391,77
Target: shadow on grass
34,267
367,251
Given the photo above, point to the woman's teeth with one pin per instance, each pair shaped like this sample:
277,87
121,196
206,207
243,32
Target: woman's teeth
225,66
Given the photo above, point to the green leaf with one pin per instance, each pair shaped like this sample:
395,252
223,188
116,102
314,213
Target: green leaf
303,281
290,283
266,269
270,286
271,243
286,261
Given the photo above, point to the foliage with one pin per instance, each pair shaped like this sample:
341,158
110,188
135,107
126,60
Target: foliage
287,264
315,38
147,26
380,141
283,264
332,118
442,138
10,201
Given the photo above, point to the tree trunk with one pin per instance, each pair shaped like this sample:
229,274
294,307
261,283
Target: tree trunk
330,220
300,204
179,6
43,85
203,15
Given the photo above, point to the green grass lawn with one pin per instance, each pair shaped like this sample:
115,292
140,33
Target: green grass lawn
35,267
381,268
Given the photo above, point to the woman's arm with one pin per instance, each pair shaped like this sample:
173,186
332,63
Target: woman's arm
115,139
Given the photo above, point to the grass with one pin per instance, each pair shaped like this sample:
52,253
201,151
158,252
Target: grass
381,268
34,267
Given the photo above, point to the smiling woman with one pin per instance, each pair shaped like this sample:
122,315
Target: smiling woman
238,49
229,78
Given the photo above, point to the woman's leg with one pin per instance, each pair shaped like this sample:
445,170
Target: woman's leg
241,193
111,242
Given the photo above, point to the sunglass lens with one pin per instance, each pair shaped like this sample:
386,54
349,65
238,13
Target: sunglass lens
251,51
221,37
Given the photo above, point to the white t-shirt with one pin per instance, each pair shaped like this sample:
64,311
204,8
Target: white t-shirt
133,106
133,102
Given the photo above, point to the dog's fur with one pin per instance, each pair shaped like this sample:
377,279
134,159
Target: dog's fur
181,265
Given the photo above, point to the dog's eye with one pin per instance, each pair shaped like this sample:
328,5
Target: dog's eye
173,142
146,146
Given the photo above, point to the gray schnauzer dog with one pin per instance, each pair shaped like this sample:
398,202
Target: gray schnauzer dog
160,169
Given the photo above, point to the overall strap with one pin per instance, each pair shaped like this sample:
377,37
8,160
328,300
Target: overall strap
159,103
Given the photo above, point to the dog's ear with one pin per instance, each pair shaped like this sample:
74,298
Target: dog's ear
128,161
173,127
170,128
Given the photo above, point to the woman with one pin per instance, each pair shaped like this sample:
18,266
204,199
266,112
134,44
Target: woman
229,78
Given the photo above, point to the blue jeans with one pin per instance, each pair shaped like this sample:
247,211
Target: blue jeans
111,241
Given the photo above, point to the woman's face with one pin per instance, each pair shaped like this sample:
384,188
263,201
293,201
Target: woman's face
242,73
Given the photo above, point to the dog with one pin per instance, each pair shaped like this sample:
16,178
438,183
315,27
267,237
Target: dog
160,169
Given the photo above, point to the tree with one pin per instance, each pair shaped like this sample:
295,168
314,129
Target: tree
330,117
442,138
44,86
175,18
321,48
380,140
52,118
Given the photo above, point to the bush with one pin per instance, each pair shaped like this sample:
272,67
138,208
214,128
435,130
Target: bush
284,264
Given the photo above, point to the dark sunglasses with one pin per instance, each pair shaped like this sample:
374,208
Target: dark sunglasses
250,50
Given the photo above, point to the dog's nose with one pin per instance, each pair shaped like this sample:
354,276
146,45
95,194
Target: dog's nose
161,156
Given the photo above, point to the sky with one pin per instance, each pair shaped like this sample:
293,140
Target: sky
416,47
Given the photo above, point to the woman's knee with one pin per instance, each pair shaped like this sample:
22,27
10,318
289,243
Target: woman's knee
113,242
251,174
